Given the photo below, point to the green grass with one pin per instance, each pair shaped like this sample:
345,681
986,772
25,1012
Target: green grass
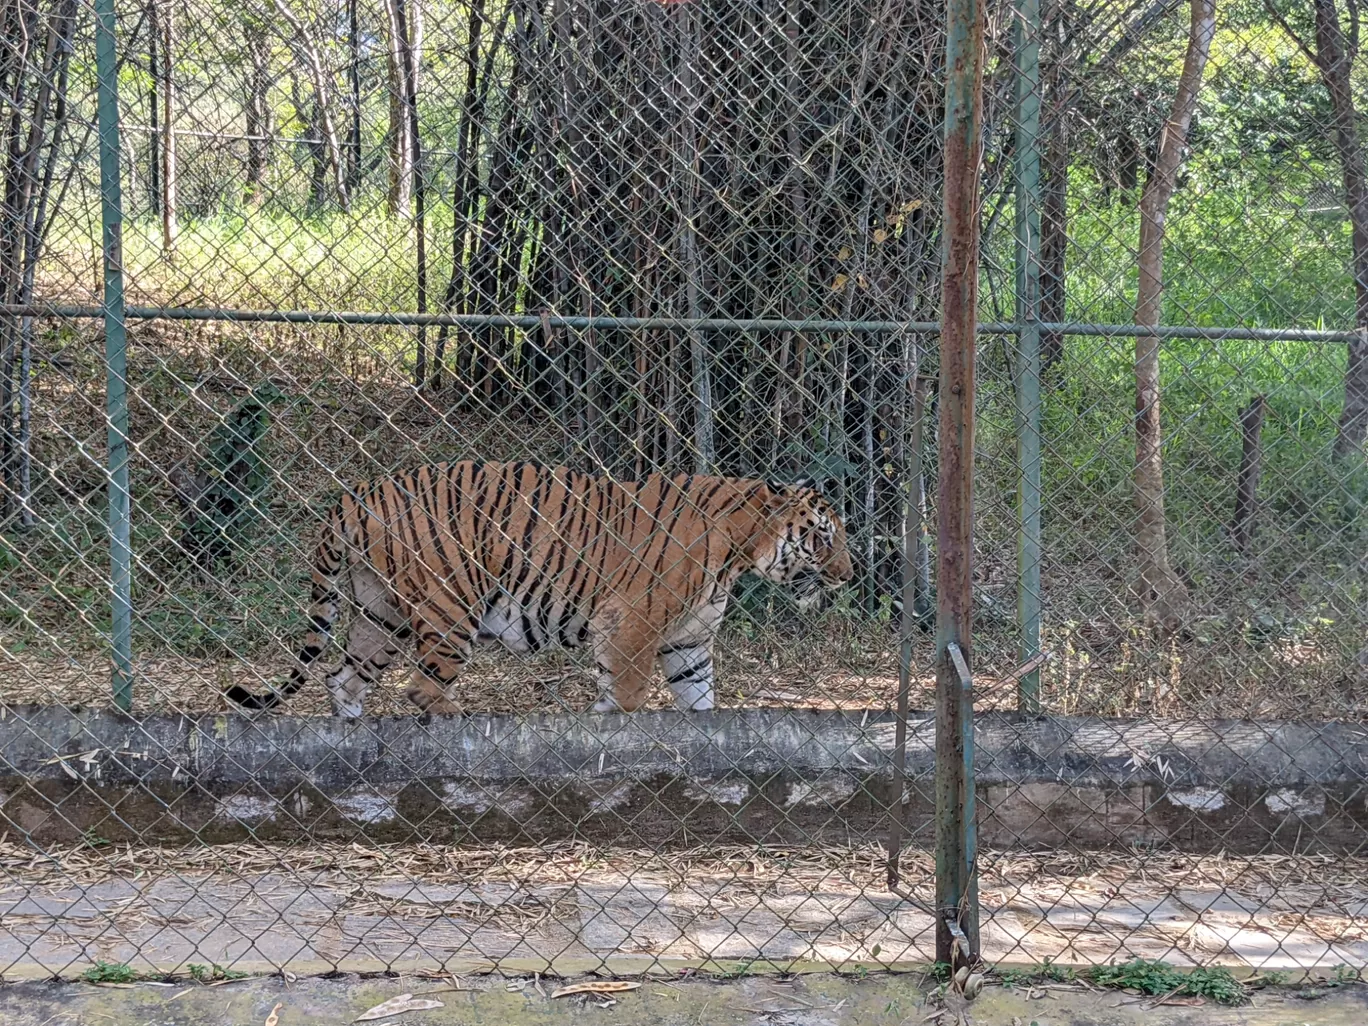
109,972
1160,978
1046,972
213,973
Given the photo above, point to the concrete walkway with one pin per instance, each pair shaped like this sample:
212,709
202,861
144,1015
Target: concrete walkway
566,918
818,1000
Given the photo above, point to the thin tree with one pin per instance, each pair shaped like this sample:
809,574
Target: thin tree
257,109
153,109
704,454
164,36
411,37
318,75
466,169
354,82
1334,55
34,77
1162,595
1054,199
1073,30
399,139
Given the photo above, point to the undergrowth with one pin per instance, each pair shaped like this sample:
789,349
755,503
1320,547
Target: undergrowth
1159,978
213,973
109,972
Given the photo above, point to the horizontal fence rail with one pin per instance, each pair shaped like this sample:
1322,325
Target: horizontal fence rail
534,321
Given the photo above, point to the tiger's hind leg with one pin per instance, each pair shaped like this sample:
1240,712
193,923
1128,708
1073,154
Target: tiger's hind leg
444,644
372,644
689,671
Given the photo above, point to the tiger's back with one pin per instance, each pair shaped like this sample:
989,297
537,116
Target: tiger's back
530,557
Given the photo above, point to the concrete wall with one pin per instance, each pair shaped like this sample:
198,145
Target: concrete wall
668,779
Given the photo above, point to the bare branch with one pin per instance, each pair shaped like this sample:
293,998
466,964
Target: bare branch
1276,15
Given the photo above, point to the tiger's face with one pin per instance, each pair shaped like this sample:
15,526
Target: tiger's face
809,544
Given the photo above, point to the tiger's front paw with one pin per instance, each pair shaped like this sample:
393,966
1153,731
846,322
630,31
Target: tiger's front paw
346,707
432,705
606,704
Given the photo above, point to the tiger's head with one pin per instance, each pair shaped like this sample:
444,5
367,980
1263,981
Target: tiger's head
802,542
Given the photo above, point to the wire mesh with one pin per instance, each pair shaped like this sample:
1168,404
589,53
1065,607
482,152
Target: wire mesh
1193,580
681,238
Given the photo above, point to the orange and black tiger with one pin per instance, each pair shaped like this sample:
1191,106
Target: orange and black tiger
529,557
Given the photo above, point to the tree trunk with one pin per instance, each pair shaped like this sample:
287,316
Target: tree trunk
791,403
1335,58
410,39
354,81
37,65
705,454
257,110
1162,595
1247,483
318,154
1054,217
20,26
169,211
464,177
400,145
154,108
319,77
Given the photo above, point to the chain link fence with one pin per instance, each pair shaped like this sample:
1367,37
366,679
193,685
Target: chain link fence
692,238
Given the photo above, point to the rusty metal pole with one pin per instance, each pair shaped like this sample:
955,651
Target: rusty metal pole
957,934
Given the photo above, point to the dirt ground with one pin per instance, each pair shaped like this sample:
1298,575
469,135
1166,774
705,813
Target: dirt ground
811,1000
1275,643
835,669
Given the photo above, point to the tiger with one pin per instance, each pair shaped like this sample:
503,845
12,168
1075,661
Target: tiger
519,555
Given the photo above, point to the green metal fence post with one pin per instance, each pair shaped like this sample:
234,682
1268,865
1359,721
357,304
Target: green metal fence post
1027,367
116,358
957,935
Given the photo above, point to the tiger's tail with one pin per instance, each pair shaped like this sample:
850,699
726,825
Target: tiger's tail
325,606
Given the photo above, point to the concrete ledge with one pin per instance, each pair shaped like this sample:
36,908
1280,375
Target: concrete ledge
656,779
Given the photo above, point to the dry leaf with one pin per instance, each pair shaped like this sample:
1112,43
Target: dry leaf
911,205
1184,1002
396,1006
840,282
880,235
274,1018
596,987
844,254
